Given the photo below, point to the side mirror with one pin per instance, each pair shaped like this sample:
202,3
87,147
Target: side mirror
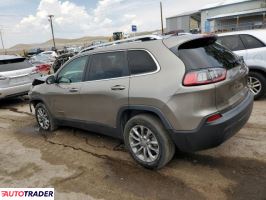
50,80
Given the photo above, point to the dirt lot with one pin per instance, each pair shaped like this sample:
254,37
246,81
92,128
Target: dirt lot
83,165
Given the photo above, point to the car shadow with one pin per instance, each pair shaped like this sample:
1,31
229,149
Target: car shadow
15,101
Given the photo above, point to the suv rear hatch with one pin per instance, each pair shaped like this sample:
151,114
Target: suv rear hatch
15,71
207,62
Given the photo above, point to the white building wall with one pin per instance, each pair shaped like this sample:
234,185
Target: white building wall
178,23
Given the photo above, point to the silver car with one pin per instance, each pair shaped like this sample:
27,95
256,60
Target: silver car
157,94
16,75
250,44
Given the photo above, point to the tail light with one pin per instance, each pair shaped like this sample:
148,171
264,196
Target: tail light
43,68
214,118
204,76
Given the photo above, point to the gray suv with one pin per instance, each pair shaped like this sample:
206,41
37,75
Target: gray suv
182,92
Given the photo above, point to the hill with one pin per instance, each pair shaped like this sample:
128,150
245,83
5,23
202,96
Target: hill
60,42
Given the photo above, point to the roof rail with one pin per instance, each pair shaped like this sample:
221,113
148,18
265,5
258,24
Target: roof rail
143,38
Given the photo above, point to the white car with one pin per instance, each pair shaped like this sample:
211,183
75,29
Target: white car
251,45
16,75
49,53
42,58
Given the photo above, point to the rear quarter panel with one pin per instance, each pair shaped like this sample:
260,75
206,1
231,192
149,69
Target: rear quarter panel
255,57
183,107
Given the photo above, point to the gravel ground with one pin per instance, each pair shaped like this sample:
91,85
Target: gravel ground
83,165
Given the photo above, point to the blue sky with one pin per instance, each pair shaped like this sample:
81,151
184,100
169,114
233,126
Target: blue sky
25,21
22,8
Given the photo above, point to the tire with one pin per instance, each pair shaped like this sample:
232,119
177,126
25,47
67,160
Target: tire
258,91
154,131
40,109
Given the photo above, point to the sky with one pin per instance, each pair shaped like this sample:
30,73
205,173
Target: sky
25,21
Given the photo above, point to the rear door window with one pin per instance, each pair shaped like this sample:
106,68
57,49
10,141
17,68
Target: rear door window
204,54
140,62
232,42
14,64
251,42
107,66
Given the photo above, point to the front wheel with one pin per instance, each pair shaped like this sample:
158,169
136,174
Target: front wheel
257,84
148,141
44,118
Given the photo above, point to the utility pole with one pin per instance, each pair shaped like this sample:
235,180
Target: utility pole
50,19
161,8
2,41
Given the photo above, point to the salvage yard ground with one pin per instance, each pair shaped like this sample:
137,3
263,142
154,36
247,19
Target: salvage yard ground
83,165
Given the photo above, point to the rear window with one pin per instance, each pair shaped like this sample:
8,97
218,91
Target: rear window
14,64
251,42
205,53
232,42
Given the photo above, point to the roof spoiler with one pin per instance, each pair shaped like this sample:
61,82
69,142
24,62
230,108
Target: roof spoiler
186,40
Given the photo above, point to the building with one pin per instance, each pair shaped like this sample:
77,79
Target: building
228,15
185,22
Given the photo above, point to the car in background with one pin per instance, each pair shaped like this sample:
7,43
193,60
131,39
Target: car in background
97,42
44,68
42,58
74,49
35,51
16,75
49,54
251,45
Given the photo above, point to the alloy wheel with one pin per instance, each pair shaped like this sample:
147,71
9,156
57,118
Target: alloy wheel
43,118
144,143
254,85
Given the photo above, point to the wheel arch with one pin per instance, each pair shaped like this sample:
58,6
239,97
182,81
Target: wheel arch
34,101
127,112
258,69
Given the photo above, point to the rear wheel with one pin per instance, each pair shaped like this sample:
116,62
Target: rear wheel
257,84
148,141
44,118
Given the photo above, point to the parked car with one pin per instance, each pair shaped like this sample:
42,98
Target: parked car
49,54
43,68
43,59
251,45
183,91
33,52
16,75
74,49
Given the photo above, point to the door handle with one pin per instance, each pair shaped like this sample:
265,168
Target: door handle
73,90
118,87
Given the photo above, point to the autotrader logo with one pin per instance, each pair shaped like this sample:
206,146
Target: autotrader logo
27,193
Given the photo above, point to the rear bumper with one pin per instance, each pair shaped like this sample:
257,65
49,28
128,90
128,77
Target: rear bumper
14,91
210,135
